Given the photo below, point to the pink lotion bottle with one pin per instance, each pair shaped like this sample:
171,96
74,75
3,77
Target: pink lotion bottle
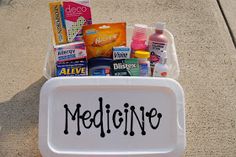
157,44
139,38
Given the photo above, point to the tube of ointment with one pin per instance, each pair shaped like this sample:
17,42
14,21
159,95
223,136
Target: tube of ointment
58,24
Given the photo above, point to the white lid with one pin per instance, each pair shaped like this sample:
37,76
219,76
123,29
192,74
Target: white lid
160,25
150,101
142,26
140,32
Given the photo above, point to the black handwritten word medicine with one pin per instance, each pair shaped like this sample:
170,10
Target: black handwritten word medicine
103,117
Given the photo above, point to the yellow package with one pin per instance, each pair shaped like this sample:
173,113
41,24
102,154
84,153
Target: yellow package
58,23
101,38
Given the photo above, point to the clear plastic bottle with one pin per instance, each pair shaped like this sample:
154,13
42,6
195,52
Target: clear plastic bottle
144,63
161,68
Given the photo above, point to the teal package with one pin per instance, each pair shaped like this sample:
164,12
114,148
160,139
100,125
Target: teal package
126,67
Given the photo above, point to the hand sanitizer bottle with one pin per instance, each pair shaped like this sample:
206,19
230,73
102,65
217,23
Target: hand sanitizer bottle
161,68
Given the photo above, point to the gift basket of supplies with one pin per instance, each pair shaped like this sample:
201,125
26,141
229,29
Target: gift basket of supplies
112,88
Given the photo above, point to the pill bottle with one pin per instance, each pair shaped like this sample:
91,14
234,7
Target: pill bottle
144,63
99,66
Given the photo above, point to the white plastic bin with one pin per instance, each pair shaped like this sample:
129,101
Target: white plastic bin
112,116
172,61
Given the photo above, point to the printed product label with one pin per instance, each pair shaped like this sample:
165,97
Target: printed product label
160,74
58,24
126,67
77,14
160,70
143,69
72,69
156,50
100,72
70,52
121,53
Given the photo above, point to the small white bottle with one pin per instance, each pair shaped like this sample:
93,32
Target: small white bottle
161,68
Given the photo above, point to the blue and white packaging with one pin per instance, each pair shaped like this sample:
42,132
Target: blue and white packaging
121,52
70,52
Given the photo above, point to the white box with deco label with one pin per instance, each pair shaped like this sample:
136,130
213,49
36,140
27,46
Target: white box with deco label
111,116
